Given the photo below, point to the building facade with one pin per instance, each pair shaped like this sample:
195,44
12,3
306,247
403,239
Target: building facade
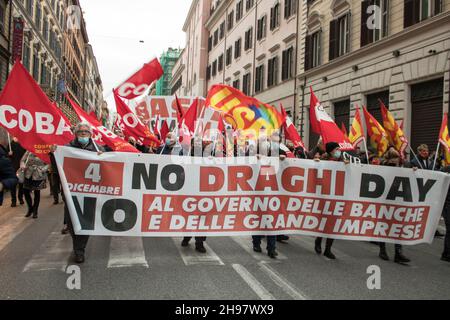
167,60
92,93
5,33
55,45
357,52
189,72
253,47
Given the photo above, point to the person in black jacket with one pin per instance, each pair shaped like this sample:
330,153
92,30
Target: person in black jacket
8,179
83,140
16,154
446,214
423,159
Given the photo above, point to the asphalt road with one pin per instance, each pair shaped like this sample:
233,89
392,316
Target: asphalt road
34,258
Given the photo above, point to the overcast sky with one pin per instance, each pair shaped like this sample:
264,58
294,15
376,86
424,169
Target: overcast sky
116,27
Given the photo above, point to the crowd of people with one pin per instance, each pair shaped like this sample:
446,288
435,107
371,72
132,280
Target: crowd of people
25,175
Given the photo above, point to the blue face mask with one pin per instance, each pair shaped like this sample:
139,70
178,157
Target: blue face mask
83,141
337,154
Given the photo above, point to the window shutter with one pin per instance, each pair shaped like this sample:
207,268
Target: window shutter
411,13
308,52
365,32
347,34
286,8
272,18
437,6
333,39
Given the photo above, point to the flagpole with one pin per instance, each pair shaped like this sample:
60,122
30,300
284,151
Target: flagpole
367,151
435,157
415,156
9,142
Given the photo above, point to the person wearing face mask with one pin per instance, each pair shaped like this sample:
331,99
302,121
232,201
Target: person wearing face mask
83,140
392,159
333,153
170,146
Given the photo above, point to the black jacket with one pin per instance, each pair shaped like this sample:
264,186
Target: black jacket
89,147
7,171
18,152
423,164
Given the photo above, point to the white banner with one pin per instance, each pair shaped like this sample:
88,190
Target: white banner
120,194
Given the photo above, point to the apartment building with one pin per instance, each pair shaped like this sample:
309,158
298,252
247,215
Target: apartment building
355,52
253,47
5,31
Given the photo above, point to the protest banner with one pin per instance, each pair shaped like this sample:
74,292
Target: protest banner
124,194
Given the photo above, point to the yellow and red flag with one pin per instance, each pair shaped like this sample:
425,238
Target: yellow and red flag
395,133
356,131
444,137
243,112
378,137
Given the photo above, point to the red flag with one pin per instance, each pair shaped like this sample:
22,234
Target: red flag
291,131
444,137
344,129
180,112
139,82
156,127
133,125
108,137
322,124
188,119
221,125
28,114
164,131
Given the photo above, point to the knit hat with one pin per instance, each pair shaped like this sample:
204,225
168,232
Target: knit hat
331,146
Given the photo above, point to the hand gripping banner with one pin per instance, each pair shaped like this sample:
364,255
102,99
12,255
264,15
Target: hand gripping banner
125,194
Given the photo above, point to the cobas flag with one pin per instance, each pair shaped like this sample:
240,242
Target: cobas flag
28,114
133,127
322,124
139,82
102,135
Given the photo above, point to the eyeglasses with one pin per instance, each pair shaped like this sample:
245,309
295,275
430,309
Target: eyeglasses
84,132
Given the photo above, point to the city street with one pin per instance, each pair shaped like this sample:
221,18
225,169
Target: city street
34,257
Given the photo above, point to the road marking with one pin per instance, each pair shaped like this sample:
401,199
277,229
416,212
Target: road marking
54,254
284,284
191,257
254,284
127,252
12,228
246,244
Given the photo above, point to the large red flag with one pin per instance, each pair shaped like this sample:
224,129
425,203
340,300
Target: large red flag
28,114
108,137
322,124
291,131
133,125
188,119
139,82
180,112
164,131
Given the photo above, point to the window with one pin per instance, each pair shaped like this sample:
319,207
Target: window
237,48
45,29
222,30
214,68
374,20
339,36
262,28
342,113
275,16
37,16
237,84
246,84
249,4
210,43
221,62
216,37
290,8
313,49
248,39
239,10
30,4
208,72
230,20
26,56
416,11
287,69
229,55
36,67
272,74
259,79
